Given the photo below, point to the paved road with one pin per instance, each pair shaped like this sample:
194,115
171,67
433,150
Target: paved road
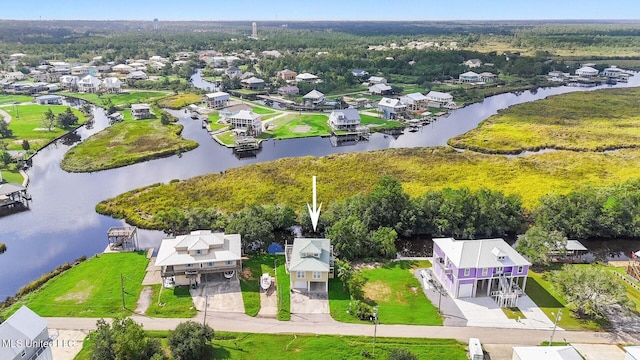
324,324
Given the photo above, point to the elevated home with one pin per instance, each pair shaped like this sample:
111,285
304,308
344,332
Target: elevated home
246,120
140,111
391,108
199,257
346,119
587,72
488,267
291,90
25,335
216,100
69,82
473,63
14,76
377,80
287,75
438,99
546,353
470,77
380,89
252,83
612,72
310,264
89,84
306,77
137,75
414,101
487,77
122,68
111,85
227,112
313,98
61,67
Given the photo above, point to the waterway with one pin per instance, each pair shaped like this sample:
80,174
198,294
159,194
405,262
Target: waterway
62,224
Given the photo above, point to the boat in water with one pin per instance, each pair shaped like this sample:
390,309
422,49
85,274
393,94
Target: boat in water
265,281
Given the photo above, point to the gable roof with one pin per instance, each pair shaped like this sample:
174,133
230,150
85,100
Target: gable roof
376,78
253,80
89,80
245,115
229,248
218,94
306,76
395,103
415,97
20,328
381,87
348,114
438,94
313,94
482,253
310,263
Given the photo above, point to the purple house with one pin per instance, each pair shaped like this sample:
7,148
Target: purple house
487,267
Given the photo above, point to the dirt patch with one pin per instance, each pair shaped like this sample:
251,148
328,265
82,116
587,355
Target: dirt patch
357,265
414,290
302,129
246,274
377,291
79,294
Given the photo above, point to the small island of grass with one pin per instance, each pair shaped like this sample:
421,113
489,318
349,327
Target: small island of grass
126,143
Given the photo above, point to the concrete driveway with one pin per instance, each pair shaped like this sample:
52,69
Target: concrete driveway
448,308
67,343
484,312
224,295
268,302
309,302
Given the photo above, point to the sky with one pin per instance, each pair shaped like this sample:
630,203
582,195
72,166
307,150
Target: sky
281,10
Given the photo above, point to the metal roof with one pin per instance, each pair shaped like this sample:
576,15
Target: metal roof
10,188
481,253
310,263
21,327
230,248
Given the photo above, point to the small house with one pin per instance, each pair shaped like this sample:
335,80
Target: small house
587,72
89,84
487,77
377,80
359,73
306,77
216,100
137,75
391,108
25,335
69,82
346,119
111,85
246,120
291,90
414,101
286,75
380,89
310,263
473,63
14,75
233,71
470,77
313,98
49,100
252,83
438,99
612,72
140,111
122,69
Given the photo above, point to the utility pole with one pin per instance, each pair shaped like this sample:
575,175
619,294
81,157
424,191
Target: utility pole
122,286
555,324
206,305
375,328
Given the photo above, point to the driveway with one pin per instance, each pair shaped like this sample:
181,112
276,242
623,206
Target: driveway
448,308
268,302
309,302
224,295
66,343
484,312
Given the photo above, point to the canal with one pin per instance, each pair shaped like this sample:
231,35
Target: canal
62,224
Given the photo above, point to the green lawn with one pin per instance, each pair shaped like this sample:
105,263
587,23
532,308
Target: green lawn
172,303
252,346
262,110
126,143
216,126
121,99
284,290
91,289
179,101
27,124
252,269
395,290
513,313
12,176
379,122
340,303
10,99
295,125
226,138
214,117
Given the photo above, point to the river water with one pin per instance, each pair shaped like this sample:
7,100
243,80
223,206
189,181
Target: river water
62,224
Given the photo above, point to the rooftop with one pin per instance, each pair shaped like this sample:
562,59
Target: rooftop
481,253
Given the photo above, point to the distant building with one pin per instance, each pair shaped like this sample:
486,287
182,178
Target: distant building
380,89
137,75
612,72
470,77
252,83
313,98
291,90
25,335
473,63
89,84
254,30
359,73
216,100
438,98
156,25
111,85
306,77
377,80
587,72
286,75
49,100
140,111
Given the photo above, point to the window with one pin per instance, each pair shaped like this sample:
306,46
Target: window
229,262
520,269
499,270
317,275
485,271
198,252
467,272
189,265
300,274
210,264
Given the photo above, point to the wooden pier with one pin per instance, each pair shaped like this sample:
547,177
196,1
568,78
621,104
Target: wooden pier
13,198
122,238
246,146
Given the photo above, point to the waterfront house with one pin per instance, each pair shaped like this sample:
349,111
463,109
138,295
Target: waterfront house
89,84
216,100
252,83
346,119
310,264
306,77
140,111
470,77
473,63
246,120
391,108
438,99
546,353
111,85
587,72
227,112
414,101
313,98
486,267
69,82
287,75
290,90
487,77
612,72
49,100
25,335
377,80
61,67
199,257
380,89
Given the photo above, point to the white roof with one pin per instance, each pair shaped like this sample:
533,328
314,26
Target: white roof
439,95
217,95
381,87
634,351
587,70
122,67
306,76
23,326
416,97
245,115
376,78
469,73
385,101
224,247
547,353
89,79
140,106
310,263
112,81
482,253
313,94
253,80
575,245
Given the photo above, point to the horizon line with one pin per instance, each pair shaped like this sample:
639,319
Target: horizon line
334,20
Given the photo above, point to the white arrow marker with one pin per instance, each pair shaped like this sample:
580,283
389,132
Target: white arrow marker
314,213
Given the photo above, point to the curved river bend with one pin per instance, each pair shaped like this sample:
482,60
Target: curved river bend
62,224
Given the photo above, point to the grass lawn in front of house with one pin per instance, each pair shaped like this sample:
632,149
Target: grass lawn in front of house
252,269
90,289
173,302
283,282
299,125
226,138
379,123
262,110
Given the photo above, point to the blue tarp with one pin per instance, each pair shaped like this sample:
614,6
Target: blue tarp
275,248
